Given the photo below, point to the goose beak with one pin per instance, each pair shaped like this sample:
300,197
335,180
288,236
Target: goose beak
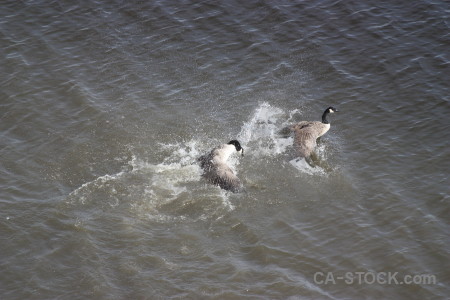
242,152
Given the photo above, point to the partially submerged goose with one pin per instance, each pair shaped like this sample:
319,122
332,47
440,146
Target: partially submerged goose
216,170
307,132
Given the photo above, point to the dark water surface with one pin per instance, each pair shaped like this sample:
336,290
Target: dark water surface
104,108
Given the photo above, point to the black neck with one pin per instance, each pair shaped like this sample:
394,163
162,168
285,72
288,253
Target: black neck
324,117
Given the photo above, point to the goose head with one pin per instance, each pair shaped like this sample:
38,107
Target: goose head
327,111
237,145
331,110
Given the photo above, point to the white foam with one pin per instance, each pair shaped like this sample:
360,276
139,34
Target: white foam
303,166
260,134
167,179
147,187
261,124
262,138
97,182
176,179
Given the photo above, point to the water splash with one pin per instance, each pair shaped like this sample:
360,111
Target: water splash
173,189
100,183
319,165
303,166
261,133
263,136
169,191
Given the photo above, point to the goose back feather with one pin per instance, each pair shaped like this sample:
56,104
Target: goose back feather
306,133
216,170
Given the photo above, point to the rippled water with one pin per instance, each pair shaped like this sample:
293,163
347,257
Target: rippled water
106,107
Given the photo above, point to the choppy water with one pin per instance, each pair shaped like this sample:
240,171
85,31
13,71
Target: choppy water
105,108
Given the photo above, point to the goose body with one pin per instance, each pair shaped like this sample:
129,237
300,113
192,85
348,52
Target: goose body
216,169
306,133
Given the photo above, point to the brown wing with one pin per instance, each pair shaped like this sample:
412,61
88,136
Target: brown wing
226,179
300,125
219,173
305,138
223,176
205,161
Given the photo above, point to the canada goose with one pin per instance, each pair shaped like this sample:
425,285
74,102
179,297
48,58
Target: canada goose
216,170
307,132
